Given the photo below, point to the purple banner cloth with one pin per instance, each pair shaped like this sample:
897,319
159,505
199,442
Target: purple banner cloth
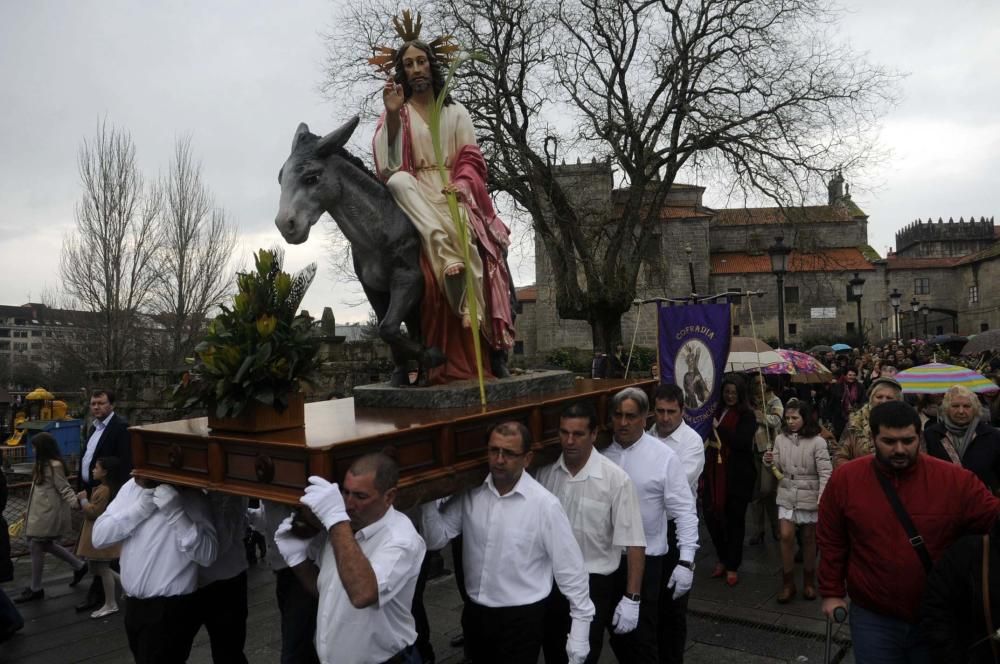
694,345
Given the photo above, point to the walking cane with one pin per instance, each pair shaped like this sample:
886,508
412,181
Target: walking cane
839,615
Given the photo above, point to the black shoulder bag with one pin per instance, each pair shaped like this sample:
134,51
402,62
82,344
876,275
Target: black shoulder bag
916,541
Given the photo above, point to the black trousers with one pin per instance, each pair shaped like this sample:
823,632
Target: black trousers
640,645
298,619
503,635
160,630
727,531
557,620
223,612
423,626
672,628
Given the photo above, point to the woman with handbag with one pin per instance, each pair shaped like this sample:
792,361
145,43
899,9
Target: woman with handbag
48,517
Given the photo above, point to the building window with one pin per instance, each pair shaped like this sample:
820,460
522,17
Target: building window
736,330
973,294
791,294
518,348
939,329
850,328
4,345
5,333
983,327
921,286
792,329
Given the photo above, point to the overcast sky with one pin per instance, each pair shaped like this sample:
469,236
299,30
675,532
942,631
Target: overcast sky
238,76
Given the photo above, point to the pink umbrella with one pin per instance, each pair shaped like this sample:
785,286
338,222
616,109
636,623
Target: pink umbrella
801,367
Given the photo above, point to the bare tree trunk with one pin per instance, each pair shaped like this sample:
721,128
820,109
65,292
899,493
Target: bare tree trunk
109,265
198,241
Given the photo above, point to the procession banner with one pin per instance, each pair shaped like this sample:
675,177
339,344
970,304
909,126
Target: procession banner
694,345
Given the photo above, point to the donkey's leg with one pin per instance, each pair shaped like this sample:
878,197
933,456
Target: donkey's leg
405,289
380,303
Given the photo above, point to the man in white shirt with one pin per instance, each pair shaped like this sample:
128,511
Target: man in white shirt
222,586
368,566
515,539
298,608
664,495
166,535
603,511
670,427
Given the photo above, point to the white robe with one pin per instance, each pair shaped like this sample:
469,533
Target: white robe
421,198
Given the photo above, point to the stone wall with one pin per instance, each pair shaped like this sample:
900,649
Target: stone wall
945,238
757,238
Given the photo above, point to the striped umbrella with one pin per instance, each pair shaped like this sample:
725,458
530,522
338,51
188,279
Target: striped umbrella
936,378
749,354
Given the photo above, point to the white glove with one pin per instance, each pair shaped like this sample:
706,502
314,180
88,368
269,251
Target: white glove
168,501
578,642
626,616
681,580
143,505
324,499
293,549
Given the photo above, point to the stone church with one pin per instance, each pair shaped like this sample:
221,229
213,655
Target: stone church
938,265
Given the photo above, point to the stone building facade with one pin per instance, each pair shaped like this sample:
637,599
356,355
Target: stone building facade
941,265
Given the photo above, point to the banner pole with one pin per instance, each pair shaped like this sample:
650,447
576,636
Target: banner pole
778,475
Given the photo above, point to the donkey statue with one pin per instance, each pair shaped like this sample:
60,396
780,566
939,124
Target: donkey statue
320,175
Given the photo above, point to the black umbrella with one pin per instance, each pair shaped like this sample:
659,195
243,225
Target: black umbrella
982,343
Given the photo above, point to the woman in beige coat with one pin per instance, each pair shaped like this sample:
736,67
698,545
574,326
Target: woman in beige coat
800,453
107,471
48,520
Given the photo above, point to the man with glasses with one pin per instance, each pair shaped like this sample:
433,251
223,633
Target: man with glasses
515,539
664,495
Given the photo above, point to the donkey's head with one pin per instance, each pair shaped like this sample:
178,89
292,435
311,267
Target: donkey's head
307,184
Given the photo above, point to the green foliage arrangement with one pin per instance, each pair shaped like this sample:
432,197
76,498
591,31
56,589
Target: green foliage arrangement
258,350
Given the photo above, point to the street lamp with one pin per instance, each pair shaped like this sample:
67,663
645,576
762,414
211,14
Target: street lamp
925,310
894,298
779,266
857,288
915,306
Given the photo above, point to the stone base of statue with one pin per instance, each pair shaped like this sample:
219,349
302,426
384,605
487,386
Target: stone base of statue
462,393
439,450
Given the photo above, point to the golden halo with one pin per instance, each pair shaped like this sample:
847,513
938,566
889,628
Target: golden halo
407,30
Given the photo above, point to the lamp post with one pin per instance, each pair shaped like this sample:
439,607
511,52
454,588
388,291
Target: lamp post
779,266
894,299
925,310
915,307
857,288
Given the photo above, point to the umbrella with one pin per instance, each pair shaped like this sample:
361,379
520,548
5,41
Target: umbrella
39,394
947,340
821,349
936,378
749,354
840,347
983,342
801,367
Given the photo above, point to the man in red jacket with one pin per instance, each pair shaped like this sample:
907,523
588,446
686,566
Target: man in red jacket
865,549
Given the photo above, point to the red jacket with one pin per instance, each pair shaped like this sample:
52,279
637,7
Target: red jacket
862,541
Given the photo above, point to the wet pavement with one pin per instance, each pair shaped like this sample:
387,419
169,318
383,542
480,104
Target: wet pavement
740,624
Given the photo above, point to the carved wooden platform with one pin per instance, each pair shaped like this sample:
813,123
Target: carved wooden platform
439,451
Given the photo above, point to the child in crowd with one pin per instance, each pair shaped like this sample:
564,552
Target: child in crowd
800,453
107,471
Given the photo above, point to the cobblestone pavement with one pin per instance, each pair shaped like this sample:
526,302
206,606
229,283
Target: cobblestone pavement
741,624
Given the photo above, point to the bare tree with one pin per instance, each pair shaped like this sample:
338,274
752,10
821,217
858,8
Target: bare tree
754,91
108,266
198,241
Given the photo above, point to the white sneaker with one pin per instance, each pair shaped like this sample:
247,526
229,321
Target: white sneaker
104,611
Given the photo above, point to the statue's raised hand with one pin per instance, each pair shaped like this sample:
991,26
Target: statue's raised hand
392,96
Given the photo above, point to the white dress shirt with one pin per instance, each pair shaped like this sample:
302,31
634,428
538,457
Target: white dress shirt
602,506
229,516
88,455
158,559
346,635
513,545
688,445
664,493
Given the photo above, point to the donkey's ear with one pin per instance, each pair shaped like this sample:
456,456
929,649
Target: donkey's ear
301,132
337,138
